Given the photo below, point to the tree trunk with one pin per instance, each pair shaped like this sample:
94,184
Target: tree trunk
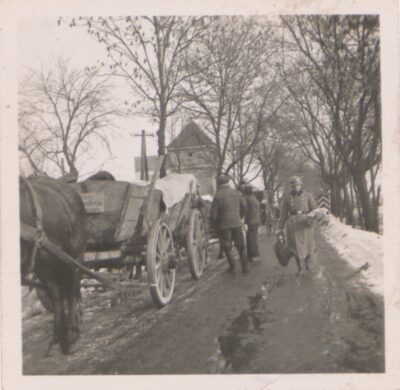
378,201
270,197
336,201
348,206
360,217
161,139
333,199
352,201
375,197
365,203
338,196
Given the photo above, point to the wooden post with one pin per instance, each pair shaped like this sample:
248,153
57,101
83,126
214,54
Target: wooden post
144,168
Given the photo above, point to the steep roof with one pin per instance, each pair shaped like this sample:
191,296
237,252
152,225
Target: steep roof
191,135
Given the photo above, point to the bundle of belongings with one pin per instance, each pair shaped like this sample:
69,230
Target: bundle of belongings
319,217
281,251
175,186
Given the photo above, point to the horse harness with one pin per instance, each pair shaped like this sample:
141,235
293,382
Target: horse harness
38,225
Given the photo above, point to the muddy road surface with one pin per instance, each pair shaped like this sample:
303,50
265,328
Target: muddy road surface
268,321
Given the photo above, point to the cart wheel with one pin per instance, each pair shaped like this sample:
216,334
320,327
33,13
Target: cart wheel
160,262
197,244
44,299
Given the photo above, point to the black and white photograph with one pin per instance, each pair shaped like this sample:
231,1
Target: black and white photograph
200,190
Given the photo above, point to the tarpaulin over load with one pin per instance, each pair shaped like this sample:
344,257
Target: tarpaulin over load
174,187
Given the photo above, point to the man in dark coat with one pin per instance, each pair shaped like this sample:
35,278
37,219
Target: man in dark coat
252,220
299,230
226,212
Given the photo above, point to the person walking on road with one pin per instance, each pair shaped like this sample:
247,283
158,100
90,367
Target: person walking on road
299,230
226,212
252,219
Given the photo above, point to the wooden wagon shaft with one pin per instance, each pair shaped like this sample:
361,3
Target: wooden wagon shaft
31,234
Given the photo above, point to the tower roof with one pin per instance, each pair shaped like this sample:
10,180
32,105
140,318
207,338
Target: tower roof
191,135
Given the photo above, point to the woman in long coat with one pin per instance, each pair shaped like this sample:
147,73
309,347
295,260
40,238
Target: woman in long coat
299,230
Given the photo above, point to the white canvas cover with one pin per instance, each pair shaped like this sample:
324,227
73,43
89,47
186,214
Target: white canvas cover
174,187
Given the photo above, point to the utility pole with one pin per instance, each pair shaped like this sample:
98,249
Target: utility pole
144,168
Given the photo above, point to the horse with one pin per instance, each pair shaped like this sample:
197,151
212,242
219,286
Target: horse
55,210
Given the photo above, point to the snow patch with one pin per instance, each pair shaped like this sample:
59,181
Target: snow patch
361,249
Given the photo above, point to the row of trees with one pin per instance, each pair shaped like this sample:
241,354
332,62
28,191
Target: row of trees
331,68
269,93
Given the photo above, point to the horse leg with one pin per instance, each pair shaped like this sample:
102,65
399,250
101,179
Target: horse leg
51,343
74,308
56,298
60,320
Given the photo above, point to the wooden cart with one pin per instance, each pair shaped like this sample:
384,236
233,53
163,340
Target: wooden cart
128,225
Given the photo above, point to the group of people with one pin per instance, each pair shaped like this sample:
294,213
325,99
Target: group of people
231,207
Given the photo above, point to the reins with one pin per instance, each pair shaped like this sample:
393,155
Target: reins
38,223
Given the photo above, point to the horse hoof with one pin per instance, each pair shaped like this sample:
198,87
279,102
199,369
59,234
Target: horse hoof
73,349
300,272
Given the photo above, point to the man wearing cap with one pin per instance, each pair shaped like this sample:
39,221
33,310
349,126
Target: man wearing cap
226,212
299,231
252,219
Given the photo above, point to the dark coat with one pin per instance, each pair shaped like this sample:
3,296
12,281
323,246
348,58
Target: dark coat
252,216
228,208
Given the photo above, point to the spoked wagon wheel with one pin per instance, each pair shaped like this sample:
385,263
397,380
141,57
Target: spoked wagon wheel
160,262
197,244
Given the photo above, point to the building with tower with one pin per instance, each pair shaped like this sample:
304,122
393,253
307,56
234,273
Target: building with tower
191,151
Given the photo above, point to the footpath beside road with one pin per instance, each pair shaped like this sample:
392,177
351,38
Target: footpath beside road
269,321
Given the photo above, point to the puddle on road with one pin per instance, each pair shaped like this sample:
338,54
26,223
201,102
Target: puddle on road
236,347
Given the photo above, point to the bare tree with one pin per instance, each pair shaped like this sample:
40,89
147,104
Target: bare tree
61,113
309,128
224,91
254,118
278,158
147,52
340,57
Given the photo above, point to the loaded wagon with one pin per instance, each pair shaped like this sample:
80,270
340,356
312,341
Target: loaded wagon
145,225
126,225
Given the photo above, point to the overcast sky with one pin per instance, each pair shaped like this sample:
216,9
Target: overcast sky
40,42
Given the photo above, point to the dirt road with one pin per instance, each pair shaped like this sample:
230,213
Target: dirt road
269,321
